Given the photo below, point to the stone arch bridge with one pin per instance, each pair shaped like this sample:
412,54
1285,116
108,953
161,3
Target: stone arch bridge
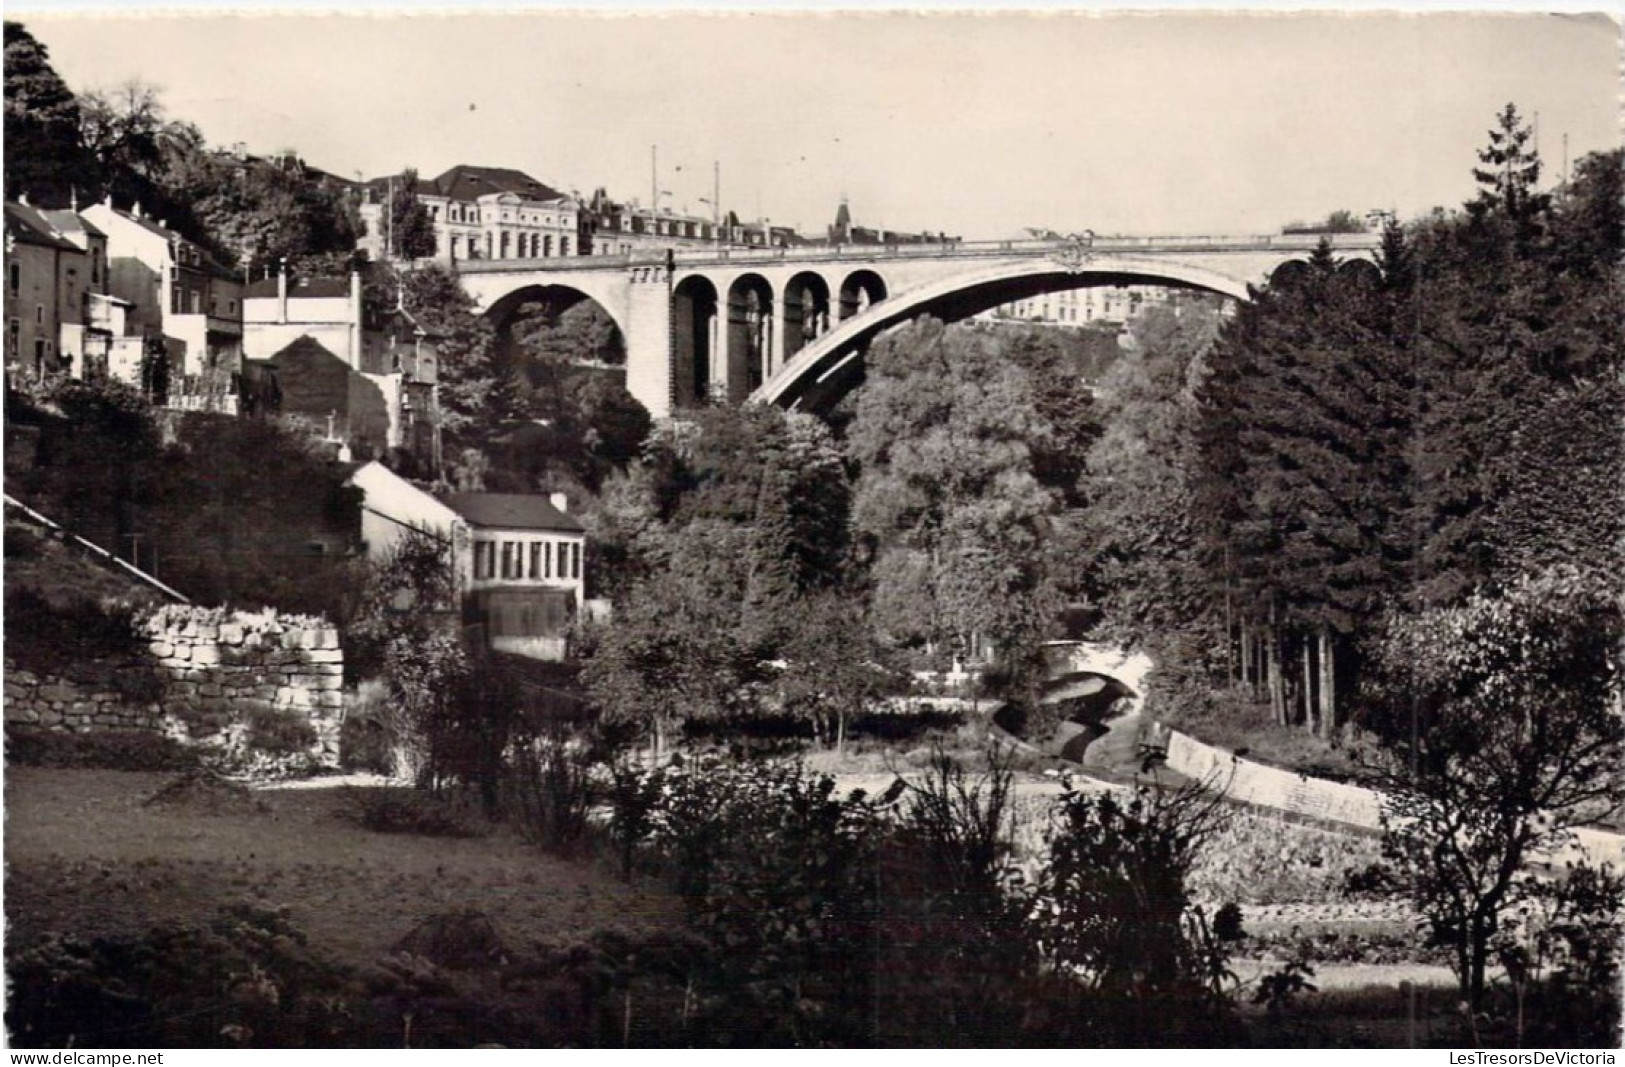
789,325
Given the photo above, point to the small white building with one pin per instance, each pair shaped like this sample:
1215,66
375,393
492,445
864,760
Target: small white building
519,559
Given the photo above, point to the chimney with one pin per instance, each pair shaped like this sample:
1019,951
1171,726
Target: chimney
22,198
560,501
282,293
355,319
135,210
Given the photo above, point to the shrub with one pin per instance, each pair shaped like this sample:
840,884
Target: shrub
393,810
364,745
1115,911
77,635
246,979
114,750
550,791
279,732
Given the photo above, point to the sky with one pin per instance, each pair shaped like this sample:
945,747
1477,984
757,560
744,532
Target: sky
976,123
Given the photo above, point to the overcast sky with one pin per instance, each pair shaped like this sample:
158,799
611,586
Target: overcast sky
976,124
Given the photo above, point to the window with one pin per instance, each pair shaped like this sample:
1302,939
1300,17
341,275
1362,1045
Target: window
575,560
14,333
547,559
15,278
511,560
535,559
485,557
564,246
39,313
547,245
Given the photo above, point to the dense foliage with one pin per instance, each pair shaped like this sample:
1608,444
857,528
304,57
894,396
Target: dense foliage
245,512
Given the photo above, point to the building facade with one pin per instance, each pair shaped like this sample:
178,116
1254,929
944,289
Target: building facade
47,286
518,560
176,291
480,213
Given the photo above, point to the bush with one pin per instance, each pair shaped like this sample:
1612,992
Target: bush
113,750
246,979
80,635
550,791
393,810
365,745
280,732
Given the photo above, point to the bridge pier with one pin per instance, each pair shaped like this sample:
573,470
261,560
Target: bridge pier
648,338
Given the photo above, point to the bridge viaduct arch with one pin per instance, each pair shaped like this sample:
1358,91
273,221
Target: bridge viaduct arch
789,326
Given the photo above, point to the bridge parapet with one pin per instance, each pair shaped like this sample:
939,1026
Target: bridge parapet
961,250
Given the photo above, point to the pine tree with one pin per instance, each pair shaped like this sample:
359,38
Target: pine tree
1509,172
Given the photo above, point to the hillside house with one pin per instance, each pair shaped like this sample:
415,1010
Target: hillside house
518,559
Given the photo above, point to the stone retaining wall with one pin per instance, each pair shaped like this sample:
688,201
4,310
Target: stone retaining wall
1336,802
214,670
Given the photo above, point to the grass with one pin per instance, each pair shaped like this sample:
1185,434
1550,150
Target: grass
86,856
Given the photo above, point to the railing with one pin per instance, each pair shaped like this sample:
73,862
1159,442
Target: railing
851,253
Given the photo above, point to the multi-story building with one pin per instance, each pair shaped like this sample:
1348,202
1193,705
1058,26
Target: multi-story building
47,279
311,344
481,213
1110,305
176,291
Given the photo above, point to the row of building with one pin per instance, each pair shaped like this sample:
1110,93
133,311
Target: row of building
107,291
500,213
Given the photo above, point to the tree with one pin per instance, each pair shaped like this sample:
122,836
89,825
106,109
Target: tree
411,228
406,630
1138,481
1509,173
477,399
676,651
1503,720
948,503
834,670
1305,439
122,128
43,157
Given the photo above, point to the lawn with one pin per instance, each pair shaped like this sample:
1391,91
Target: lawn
85,856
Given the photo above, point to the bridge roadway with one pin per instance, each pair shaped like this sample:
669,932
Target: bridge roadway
789,325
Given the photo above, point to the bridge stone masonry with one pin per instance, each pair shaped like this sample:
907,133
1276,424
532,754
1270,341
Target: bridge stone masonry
789,326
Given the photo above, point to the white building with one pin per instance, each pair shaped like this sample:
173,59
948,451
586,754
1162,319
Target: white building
518,559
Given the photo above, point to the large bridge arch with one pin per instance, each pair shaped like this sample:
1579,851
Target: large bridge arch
826,369
504,312
499,303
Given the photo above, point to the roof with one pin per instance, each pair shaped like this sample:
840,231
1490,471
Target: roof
511,511
29,226
302,346
309,288
72,222
464,182
158,229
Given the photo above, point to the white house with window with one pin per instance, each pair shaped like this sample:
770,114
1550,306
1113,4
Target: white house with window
519,558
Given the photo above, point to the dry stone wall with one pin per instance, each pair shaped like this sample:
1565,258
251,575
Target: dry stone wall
220,676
